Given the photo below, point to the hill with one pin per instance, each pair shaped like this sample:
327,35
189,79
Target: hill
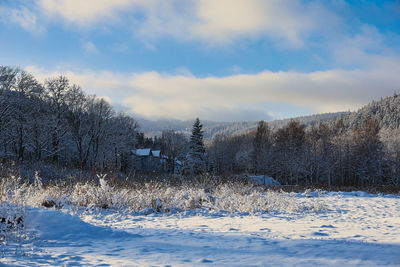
386,112
213,128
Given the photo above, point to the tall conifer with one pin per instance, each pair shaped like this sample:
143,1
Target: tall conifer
197,150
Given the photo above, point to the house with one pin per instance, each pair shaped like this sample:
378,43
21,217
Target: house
263,180
146,159
178,166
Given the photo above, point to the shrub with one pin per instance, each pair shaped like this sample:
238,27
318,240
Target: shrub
155,196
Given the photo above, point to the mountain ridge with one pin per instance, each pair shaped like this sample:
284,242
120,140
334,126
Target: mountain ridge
213,128
385,111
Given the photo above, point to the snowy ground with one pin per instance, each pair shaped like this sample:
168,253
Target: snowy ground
357,229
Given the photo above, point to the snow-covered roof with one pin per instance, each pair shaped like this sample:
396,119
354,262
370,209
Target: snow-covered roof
264,180
156,153
143,152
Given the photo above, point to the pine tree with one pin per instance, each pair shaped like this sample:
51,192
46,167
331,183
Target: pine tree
197,150
260,147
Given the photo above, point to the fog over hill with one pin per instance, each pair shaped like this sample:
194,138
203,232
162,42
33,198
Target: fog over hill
213,128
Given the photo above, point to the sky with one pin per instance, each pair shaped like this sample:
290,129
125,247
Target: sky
223,60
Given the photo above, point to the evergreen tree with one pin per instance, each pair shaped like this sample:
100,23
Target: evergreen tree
196,159
260,148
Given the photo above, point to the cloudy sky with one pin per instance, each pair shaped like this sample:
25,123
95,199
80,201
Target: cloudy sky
225,60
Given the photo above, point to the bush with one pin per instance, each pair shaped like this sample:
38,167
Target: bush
154,196
12,230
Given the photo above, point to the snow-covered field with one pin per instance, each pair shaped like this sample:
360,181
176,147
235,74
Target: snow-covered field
356,229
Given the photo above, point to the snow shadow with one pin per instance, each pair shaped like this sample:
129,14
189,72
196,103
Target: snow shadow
65,240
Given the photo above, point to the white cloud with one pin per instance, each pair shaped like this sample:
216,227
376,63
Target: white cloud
288,21
24,17
237,97
220,22
102,83
362,49
83,12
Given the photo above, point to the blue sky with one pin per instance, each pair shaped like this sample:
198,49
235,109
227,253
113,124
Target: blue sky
219,60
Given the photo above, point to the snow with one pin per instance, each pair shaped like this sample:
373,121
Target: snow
142,152
156,153
357,229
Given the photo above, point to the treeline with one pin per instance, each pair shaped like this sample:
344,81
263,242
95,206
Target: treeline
321,154
57,122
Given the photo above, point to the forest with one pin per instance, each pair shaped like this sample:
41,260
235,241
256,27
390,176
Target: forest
57,123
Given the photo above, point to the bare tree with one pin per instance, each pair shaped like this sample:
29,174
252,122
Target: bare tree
175,146
57,90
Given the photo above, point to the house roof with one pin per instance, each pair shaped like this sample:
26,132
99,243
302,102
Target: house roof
156,153
142,152
264,180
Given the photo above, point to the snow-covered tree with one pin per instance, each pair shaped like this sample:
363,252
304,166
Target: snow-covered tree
197,160
261,148
57,90
58,122
288,158
319,154
174,146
